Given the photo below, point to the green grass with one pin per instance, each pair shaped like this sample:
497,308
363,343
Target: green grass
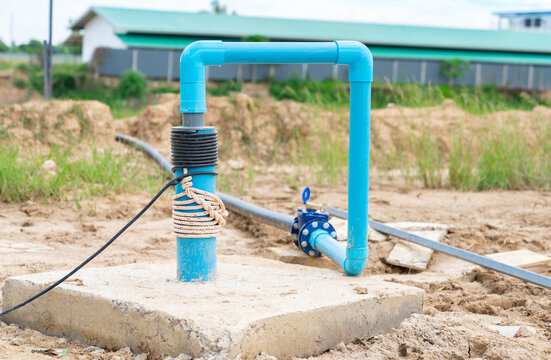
75,82
100,173
475,100
6,65
428,159
505,160
224,88
325,163
325,94
499,157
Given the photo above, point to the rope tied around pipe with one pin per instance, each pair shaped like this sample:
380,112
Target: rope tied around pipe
200,224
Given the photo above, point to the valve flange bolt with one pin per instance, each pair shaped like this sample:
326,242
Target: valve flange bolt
315,224
334,234
326,226
305,232
304,244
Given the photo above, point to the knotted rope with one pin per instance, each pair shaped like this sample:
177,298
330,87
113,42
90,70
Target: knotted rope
202,224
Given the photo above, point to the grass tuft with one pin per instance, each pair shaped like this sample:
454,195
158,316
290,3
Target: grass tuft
475,100
100,173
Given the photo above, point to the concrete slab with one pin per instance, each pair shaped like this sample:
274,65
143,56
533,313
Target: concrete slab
255,305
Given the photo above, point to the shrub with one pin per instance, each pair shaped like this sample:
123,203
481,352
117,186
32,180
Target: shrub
454,69
166,89
224,88
64,81
20,83
321,93
132,84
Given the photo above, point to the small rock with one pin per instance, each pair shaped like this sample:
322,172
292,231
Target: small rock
264,356
525,331
49,166
341,347
429,310
361,290
93,350
403,350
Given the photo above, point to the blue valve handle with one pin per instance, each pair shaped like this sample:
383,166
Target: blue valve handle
306,195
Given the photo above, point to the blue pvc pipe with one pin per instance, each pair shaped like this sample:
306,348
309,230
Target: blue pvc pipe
360,70
196,257
280,52
326,244
358,177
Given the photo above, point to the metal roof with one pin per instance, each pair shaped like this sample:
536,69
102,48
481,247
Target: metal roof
201,25
379,52
514,13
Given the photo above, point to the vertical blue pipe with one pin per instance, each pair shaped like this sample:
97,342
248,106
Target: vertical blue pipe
196,257
358,177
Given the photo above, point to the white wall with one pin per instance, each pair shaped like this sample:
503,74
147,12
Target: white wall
99,33
517,23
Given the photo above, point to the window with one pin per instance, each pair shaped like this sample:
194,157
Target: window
537,22
527,22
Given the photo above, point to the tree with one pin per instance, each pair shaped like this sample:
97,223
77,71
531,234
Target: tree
454,69
3,47
14,48
217,8
34,47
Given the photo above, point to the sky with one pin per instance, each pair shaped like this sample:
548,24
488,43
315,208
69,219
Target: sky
22,20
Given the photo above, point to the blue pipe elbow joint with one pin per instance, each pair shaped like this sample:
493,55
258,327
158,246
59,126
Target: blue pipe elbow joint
192,73
358,58
356,260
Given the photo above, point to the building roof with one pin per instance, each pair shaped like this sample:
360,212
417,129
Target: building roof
201,25
517,13
379,52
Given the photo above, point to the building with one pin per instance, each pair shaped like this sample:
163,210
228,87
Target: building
116,39
537,21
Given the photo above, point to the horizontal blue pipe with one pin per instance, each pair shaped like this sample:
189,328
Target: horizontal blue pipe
280,52
321,241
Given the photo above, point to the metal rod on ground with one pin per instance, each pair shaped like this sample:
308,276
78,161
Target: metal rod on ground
471,257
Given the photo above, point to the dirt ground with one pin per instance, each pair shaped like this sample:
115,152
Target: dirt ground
464,305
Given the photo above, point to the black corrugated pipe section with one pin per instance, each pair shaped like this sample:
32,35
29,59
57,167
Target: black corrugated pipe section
272,218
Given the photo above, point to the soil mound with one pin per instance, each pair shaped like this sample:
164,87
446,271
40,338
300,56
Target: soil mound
246,126
42,124
264,129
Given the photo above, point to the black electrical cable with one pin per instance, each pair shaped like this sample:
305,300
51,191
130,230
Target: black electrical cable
172,182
